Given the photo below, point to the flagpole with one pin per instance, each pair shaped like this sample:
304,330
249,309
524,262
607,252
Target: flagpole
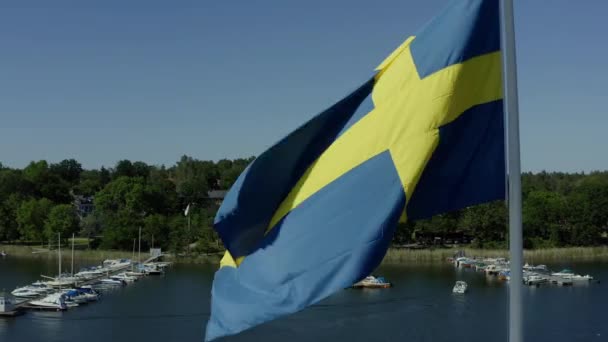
511,107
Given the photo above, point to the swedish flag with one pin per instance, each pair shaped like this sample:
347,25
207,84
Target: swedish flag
317,211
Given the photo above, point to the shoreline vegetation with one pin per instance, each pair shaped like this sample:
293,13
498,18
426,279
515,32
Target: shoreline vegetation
394,256
174,207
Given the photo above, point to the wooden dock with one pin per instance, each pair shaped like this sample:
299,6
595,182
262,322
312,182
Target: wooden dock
13,313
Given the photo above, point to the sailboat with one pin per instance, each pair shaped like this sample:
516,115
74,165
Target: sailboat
62,280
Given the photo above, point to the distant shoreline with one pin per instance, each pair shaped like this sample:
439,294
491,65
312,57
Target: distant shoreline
394,256
401,255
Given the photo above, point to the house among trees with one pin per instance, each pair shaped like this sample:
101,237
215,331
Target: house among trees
216,196
84,205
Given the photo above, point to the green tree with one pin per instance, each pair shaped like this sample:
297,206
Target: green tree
46,183
193,179
122,206
31,216
62,219
486,222
160,193
91,225
9,229
68,169
156,231
543,219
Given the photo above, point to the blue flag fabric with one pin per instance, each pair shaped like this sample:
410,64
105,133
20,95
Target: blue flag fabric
317,211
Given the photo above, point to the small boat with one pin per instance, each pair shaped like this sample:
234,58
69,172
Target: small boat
55,301
153,270
578,277
32,291
90,273
539,268
3,254
63,280
124,277
570,275
492,270
372,282
116,264
460,287
504,275
135,274
110,281
90,294
75,296
480,267
534,279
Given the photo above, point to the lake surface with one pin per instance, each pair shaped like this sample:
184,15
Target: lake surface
420,307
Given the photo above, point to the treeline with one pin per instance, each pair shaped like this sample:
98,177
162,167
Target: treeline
39,201
559,210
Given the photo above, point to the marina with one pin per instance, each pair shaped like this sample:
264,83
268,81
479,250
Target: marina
69,290
420,294
532,275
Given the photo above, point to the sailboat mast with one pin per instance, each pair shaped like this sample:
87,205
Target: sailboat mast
139,252
59,252
73,254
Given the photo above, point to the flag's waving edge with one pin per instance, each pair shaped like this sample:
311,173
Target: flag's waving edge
317,211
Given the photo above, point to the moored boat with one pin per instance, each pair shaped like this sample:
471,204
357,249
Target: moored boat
372,282
55,301
110,281
460,287
124,277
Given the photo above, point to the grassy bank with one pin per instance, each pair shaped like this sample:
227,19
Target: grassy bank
397,256
37,252
394,256
96,256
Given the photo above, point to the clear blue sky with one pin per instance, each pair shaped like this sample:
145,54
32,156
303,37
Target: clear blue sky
213,79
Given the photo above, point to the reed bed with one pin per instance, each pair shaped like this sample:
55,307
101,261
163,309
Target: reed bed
396,256
393,256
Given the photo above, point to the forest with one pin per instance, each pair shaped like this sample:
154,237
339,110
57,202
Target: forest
42,200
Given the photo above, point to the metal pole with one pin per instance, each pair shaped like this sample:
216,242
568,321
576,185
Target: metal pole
511,108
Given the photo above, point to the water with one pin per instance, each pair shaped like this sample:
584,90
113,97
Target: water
420,307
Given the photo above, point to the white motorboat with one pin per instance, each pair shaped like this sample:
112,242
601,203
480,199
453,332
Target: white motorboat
32,291
75,296
578,277
124,277
570,275
53,301
115,264
153,270
535,279
90,273
89,293
23,292
135,274
373,282
110,281
460,287
61,281
160,265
